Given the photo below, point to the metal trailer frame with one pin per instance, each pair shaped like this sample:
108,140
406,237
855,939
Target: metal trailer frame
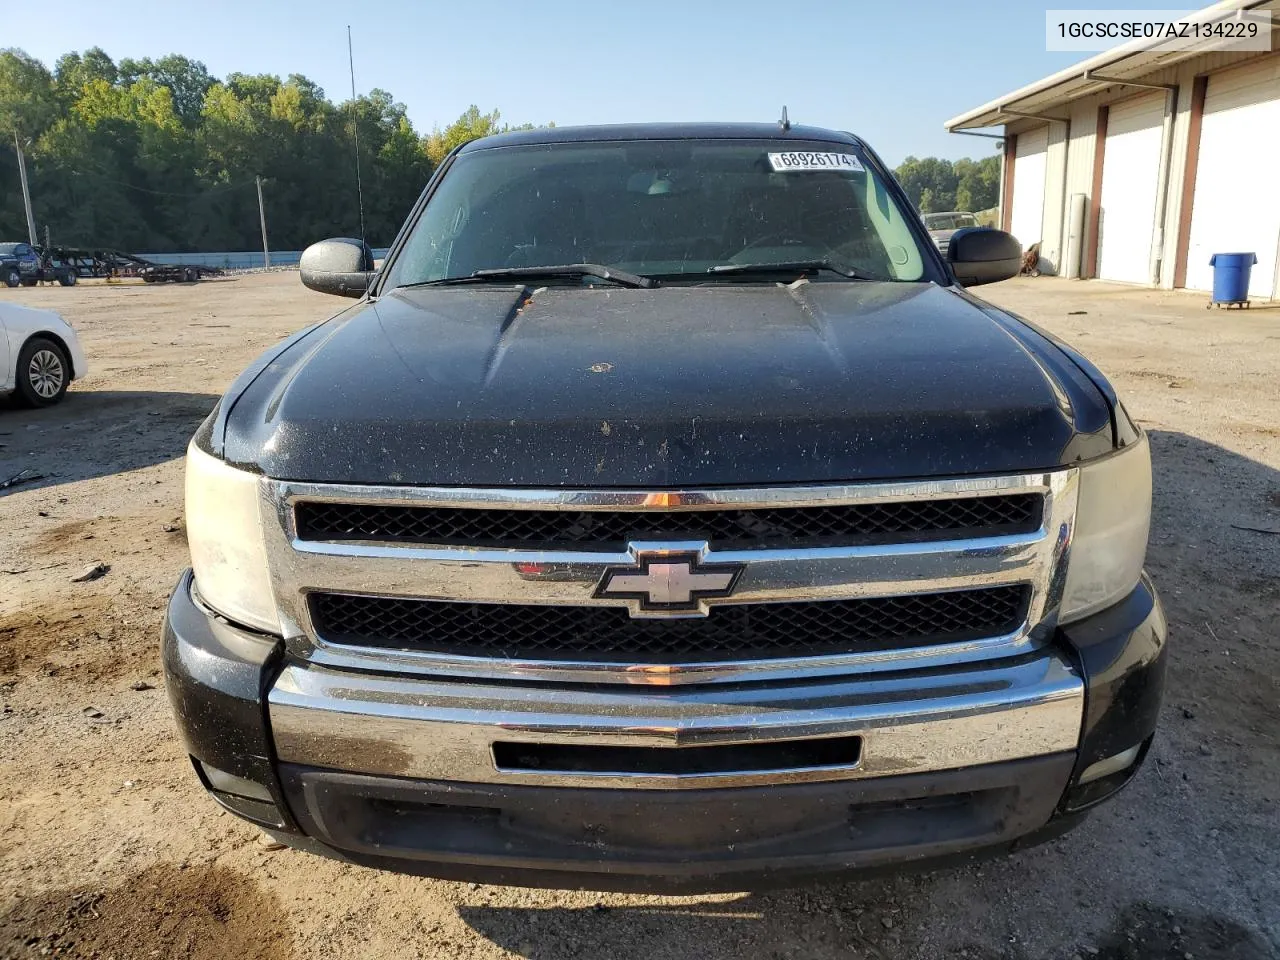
114,263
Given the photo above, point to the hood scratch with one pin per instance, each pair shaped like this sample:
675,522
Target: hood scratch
819,324
506,331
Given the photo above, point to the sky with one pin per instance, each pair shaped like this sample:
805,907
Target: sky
891,71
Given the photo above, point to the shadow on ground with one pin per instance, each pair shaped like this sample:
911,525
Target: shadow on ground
96,433
834,923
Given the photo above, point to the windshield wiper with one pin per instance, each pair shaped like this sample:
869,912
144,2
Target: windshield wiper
620,277
790,266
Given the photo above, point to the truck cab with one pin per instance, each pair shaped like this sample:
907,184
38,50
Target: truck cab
19,263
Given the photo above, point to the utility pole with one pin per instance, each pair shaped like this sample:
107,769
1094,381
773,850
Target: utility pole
355,132
262,216
26,190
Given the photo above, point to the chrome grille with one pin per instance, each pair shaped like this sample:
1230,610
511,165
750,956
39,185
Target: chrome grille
502,584
725,528
603,634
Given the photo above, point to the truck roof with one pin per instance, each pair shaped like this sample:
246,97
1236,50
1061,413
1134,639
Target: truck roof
662,131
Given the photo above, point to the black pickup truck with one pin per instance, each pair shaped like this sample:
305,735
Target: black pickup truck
666,515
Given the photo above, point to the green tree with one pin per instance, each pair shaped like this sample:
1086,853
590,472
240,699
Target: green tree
74,70
28,103
930,174
472,125
186,80
978,183
935,185
155,154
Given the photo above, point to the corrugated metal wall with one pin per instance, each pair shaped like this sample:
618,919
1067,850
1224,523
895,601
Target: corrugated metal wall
1052,233
1080,149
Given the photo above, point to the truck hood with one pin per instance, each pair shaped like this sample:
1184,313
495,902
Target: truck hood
677,386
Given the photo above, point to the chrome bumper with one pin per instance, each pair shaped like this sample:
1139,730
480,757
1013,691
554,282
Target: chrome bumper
443,730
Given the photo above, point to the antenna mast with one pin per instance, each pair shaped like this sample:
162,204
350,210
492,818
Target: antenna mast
355,133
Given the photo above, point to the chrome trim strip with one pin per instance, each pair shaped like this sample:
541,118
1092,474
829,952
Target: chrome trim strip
817,573
771,575
517,498
666,675
419,727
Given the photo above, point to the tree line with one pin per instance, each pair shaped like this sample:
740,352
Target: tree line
159,155
936,185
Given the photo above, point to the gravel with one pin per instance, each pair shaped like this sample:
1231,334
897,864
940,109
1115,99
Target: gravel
1186,863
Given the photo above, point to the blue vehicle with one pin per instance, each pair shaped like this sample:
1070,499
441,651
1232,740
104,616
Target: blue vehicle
21,263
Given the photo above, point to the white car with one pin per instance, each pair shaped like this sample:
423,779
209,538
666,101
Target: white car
40,355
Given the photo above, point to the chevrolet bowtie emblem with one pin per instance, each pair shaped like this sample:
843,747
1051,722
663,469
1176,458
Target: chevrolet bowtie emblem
665,582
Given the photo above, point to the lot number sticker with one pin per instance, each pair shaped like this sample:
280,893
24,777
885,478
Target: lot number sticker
800,162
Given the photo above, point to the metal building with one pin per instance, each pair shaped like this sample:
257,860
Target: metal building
1140,163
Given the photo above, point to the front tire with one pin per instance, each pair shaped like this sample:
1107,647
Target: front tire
12,277
43,373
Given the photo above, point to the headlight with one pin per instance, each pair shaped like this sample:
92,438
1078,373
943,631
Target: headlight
224,532
1113,517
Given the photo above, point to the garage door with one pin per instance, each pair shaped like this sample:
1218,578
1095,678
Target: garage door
1130,171
1237,196
1028,186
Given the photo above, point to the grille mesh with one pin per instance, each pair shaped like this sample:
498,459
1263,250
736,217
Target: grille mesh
743,631
609,530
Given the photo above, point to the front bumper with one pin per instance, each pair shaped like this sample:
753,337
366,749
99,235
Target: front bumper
403,773
79,361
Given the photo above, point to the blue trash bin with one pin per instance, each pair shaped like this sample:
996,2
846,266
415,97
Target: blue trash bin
1231,276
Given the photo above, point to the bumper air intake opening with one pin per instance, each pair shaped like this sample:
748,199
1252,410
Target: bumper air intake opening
738,758
1106,780
245,798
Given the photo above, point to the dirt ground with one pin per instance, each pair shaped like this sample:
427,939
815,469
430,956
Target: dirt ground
109,849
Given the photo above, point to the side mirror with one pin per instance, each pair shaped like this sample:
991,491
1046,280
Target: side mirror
981,255
341,266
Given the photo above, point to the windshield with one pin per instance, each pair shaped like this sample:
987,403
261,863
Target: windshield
8,249
674,209
949,221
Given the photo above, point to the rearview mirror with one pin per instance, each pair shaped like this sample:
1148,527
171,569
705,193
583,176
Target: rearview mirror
342,266
981,255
